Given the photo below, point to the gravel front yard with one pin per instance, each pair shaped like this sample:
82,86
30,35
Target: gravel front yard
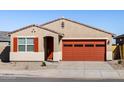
116,66
26,66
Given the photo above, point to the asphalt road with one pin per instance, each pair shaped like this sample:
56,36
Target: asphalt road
37,79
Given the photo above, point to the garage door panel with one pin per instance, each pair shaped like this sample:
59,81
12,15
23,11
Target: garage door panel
84,50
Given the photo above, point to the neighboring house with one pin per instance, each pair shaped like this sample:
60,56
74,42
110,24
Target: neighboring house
4,46
120,46
61,39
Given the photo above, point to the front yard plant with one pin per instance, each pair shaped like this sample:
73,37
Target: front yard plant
43,63
119,61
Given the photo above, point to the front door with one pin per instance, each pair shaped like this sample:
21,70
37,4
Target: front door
49,48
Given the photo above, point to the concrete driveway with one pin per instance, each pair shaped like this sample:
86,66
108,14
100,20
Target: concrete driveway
84,65
86,70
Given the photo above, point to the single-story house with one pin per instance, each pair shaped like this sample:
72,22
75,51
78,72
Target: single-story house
4,46
120,46
60,39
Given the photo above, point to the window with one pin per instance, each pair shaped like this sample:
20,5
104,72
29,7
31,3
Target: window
89,45
22,43
78,45
30,44
25,44
100,45
67,45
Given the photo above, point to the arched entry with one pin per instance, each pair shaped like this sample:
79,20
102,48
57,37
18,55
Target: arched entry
48,46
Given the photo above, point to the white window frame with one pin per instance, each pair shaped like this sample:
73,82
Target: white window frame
25,43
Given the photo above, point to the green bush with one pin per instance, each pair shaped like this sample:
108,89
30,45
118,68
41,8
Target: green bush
43,63
119,62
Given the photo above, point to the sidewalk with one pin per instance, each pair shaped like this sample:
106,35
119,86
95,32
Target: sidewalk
81,74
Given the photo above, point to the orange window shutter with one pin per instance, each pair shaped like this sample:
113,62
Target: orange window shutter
36,44
15,44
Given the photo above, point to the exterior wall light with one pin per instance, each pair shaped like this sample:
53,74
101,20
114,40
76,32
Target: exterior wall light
108,42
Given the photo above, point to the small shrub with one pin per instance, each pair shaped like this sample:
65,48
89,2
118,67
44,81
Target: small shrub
119,62
43,63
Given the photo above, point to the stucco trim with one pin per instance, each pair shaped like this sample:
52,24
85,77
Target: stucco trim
84,38
26,36
57,56
109,55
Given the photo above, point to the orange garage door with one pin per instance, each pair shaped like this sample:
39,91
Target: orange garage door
84,50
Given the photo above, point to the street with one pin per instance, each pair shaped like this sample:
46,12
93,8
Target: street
38,79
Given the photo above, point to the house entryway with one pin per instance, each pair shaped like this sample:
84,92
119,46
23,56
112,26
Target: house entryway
48,46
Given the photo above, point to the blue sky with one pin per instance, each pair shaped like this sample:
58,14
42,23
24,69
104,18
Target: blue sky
112,21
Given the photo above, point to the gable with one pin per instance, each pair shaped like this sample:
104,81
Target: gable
72,25
32,29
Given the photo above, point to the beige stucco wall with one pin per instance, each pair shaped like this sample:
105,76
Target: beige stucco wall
40,33
73,30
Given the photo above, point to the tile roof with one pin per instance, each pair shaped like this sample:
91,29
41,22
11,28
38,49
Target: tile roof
120,36
4,36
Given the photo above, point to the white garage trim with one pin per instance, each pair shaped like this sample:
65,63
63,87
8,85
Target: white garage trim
109,55
57,56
